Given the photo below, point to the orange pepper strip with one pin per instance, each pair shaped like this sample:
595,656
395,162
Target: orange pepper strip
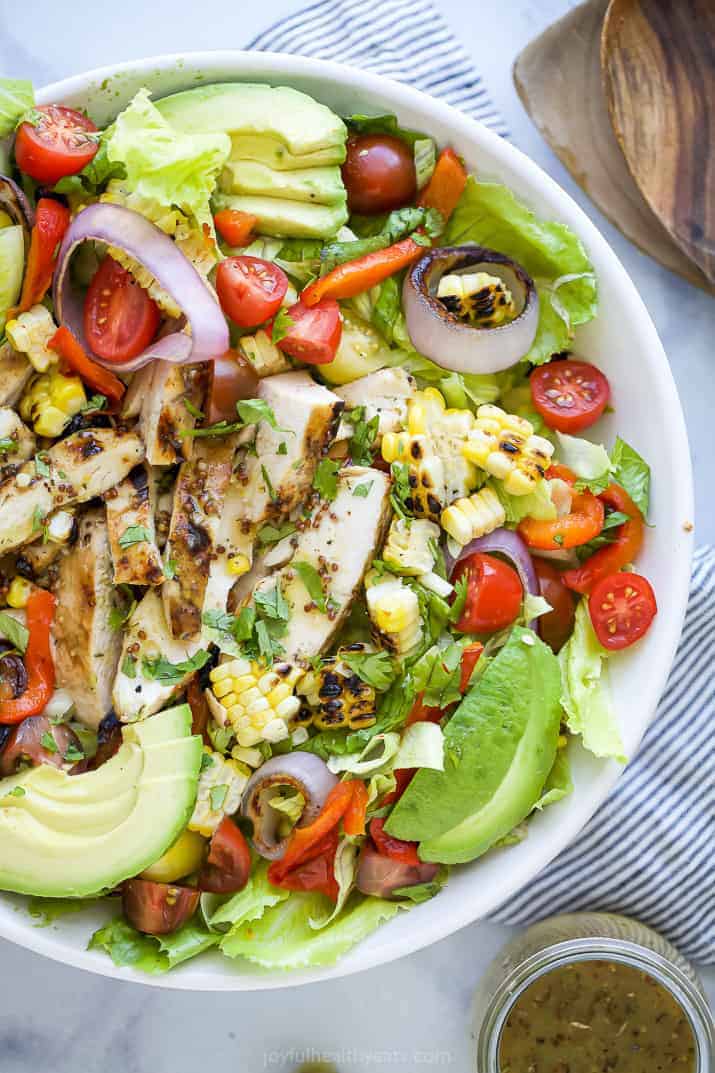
354,277
303,839
581,524
235,226
51,221
445,188
613,557
38,660
73,354
354,818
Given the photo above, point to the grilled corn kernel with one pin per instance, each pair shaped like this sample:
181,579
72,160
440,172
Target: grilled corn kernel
30,334
335,697
238,565
483,300
221,784
409,545
476,516
19,592
60,526
258,703
505,446
395,612
51,400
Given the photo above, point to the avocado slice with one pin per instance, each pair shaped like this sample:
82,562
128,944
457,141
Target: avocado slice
12,264
319,186
73,836
278,216
287,117
500,746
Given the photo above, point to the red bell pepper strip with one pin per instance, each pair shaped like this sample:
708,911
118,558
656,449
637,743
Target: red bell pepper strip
613,557
73,355
354,277
39,664
422,713
394,848
470,658
316,871
234,226
304,839
51,221
445,188
354,818
403,778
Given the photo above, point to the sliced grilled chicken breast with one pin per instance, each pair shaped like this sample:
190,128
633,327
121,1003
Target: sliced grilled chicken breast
132,531
86,647
164,418
137,691
13,428
234,538
384,393
339,541
15,373
84,465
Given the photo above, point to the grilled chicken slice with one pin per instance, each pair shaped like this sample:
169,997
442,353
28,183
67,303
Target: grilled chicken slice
235,537
86,647
84,465
137,692
279,475
164,418
199,499
339,541
15,373
384,393
132,533
12,428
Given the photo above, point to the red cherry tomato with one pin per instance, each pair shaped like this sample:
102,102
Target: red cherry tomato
403,778
622,607
394,848
58,143
234,226
231,378
379,173
494,593
314,336
120,319
228,864
569,395
157,908
250,290
556,626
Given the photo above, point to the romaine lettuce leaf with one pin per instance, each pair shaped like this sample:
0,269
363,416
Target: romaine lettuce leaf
584,691
632,472
589,461
16,97
128,947
493,216
249,904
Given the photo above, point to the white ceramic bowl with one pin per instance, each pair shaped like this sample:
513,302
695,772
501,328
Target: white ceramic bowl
624,343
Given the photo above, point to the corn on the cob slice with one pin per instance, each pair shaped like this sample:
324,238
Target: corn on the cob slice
478,297
336,697
30,333
505,446
409,546
259,703
51,400
432,448
479,514
221,784
394,610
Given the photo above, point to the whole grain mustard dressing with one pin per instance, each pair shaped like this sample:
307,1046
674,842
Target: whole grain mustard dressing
596,1017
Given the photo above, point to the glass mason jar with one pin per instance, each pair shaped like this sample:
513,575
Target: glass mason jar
582,937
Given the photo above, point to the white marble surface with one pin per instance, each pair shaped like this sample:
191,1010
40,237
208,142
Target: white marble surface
414,1012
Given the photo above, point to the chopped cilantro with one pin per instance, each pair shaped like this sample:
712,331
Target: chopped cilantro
375,668
7,444
272,603
363,437
42,464
362,491
282,448
271,534
207,761
129,667
14,631
74,753
325,481
17,791
48,742
194,410
161,670
271,490
313,583
93,403
134,534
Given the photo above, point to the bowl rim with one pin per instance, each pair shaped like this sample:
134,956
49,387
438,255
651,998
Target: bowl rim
272,66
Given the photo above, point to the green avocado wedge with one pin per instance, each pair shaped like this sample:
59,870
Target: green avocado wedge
500,746
71,836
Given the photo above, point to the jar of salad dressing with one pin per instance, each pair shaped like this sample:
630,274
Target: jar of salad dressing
591,993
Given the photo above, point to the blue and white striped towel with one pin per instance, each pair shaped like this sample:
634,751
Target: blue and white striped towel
650,849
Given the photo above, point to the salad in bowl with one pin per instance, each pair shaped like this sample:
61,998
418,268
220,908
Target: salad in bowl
308,571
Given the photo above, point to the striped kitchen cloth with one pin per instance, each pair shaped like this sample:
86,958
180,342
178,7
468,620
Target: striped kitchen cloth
650,849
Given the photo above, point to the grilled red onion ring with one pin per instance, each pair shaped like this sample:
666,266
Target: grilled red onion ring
303,772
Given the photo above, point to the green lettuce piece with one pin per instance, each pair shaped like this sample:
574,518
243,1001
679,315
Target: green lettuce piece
584,691
167,165
379,752
128,947
632,472
559,784
249,904
283,938
537,504
554,257
422,745
94,176
382,124
16,98
589,461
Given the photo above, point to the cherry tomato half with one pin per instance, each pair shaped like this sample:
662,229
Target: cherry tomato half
235,227
494,593
622,607
120,319
394,848
231,378
379,173
157,908
569,395
315,334
228,864
556,626
56,144
250,290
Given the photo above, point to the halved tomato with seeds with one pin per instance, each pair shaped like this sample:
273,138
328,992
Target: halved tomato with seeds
622,607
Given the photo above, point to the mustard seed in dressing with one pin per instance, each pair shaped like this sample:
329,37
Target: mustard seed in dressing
596,1017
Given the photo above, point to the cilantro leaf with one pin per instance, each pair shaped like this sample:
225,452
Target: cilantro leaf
437,675
271,534
48,742
363,438
74,753
375,668
161,670
94,403
251,411
325,481
313,583
272,603
14,631
362,491
129,667
134,534
42,464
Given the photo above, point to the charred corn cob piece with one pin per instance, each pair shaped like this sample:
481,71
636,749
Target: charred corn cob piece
506,447
394,610
30,333
221,784
479,514
410,545
483,300
259,703
432,448
335,697
51,400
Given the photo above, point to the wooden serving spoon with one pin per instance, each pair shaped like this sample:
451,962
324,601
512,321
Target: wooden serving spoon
658,63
